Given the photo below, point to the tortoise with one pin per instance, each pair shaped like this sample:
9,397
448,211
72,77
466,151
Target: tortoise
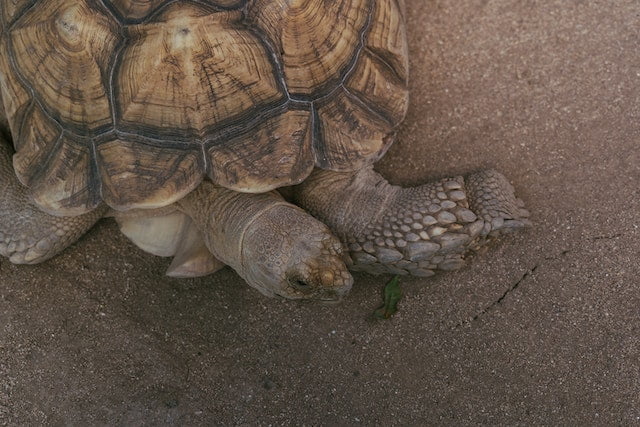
183,118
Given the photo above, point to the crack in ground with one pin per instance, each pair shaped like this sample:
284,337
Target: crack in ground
511,288
607,237
507,292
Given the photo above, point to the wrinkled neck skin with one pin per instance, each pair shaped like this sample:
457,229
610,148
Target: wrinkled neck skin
275,246
354,199
226,216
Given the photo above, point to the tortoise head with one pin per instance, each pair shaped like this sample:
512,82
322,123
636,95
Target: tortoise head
294,256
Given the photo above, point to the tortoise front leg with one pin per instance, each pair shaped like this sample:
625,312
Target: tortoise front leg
275,246
390,229
27,234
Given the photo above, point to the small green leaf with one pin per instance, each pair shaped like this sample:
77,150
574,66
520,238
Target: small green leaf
392,294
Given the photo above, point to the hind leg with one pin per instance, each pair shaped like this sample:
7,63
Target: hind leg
27,234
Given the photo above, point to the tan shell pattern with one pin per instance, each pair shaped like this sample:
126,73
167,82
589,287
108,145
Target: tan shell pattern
134,102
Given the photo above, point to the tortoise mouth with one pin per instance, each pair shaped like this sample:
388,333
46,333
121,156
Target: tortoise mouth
304,289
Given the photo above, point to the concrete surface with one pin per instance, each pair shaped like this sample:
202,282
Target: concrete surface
543,328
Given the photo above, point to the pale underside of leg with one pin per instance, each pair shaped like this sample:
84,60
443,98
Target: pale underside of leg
27,234
169,232
419,230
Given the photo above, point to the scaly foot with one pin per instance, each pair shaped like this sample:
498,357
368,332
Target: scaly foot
390,229
27,234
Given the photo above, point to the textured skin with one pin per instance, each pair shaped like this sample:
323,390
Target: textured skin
390,229
275,246
27,234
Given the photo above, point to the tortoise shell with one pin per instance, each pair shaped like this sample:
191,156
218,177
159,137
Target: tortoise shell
134,102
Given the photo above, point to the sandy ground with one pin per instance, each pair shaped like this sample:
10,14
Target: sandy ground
542,328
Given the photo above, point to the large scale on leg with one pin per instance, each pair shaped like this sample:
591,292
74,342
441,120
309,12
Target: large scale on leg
182,118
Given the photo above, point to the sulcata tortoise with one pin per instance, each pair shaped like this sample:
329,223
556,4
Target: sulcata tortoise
182,118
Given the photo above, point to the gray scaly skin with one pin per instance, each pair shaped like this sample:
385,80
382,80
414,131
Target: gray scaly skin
391,229
275,246
282,250
27,234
